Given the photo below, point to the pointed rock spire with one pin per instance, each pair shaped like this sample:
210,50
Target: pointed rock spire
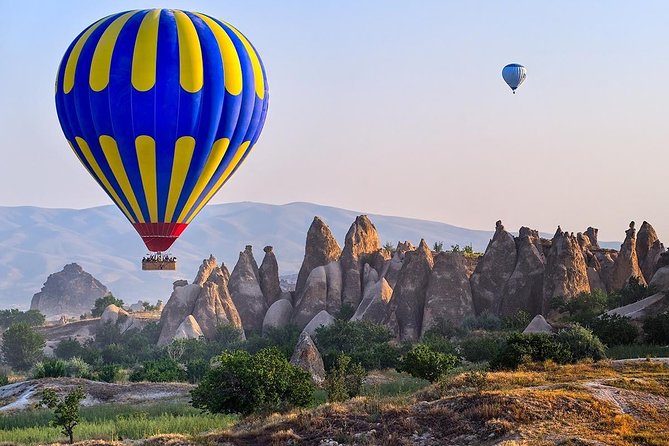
320,249
246,293
269,277
362,241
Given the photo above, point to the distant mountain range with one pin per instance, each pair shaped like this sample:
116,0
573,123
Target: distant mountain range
35,242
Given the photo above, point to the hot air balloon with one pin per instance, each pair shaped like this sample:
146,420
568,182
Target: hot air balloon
514,75
161,106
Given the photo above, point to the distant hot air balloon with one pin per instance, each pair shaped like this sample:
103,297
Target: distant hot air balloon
514,75
161,106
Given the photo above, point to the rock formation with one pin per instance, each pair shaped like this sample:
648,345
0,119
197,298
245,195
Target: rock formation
177,309
408,300
205,270
538,325
278,315
361,242
649,265
313,299
448,296
320,249
592,233
119,317
245,290
322,319
524,288
645,239
269,277
626,264
188,329
374,304
307,357
70,293
566,274
493,270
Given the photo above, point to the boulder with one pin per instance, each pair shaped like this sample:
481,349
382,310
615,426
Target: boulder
278,315
320,249
448,297
660,281
538,325
313,299
566,272
245,290
118,316
269,277
177,308
307,357
322,319
493,270
626,264
205,270
650,306
523,290
361,242
374,304
408,299
70,293
179,283
188,329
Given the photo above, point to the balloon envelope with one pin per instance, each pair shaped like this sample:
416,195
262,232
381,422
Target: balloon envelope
161,107
514,75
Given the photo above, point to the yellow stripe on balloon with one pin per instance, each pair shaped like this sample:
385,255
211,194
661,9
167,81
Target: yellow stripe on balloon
255,62
213,161
83,146
101,62
71,65
191,71
146,52
226,174
183,152
232,67
146,157
113,156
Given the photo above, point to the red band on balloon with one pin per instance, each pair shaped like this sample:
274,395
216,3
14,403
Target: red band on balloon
158,237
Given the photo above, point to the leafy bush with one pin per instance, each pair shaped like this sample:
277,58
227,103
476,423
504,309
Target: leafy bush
162,370
521,348
68,349
244,383
78,368
484,321
344,380
423,362
196,369
14,316
477,348
109,373
284,339
365,342
104,302
583,308
656,329
50,368
22,346
581,343
107,334
439,343
4,379
517,321
228,336
614,329
632,292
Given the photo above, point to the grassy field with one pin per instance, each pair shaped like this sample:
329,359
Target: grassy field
637,351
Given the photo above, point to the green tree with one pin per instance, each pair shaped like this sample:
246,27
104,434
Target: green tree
344,380
22,346
423,362
520,348
14,316
656,329
614,329
633,291
438,246
583,308
581,343
104,302
244,383
390,248
162,370
65,410
68,349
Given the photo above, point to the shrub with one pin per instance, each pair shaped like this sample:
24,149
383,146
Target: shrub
484,321
117,354
365,342
107,334
162,370
68,349
521,348
517,321
78,368
581,343
423,362
244,383
4,380
284,339
109,373
614,329
14,316
477,348
195,370
50,368
632,292
476,379
104,302
656,329
344,380
22,346
65,410
583,308
228,336
439,343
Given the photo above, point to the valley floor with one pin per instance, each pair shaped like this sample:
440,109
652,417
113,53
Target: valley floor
622,402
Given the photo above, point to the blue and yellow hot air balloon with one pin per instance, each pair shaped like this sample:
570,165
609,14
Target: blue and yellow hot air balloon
514,74
161,106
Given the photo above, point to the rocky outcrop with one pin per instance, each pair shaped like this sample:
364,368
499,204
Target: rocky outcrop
644,241
408,300
123,320
660,281
591,233
307,357
538,325
651,262
524,289
604,261
245,290
210,312
493,270
269,277
313,299
320,249
278,315
361,242
205,270
188,329
178,307
374,304
322,319
650,306
626,264
448,298
70,293
566,273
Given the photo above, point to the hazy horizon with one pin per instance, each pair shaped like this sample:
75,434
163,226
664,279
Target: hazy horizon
399,109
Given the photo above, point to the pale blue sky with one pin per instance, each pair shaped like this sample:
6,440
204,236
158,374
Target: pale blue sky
399,108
